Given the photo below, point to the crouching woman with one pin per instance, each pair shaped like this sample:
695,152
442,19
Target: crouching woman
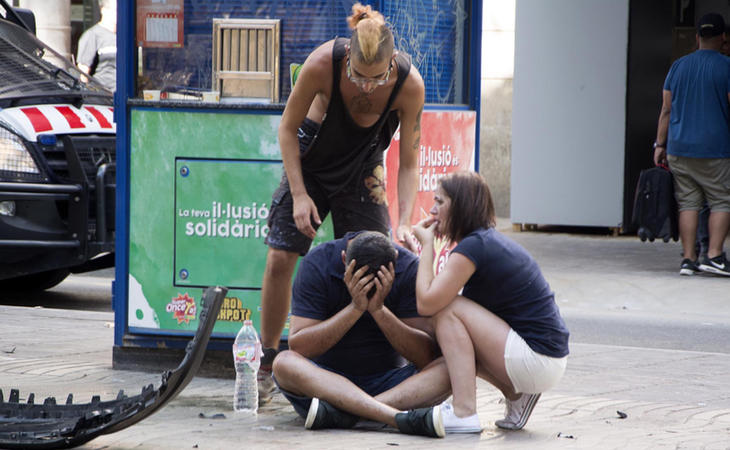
495,315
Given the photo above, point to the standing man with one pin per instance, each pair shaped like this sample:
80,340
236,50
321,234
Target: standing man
350,97
693,136
97,55
354,326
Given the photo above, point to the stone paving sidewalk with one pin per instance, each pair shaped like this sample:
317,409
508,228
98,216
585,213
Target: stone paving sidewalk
672,399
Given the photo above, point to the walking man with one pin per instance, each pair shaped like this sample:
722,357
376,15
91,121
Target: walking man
693,136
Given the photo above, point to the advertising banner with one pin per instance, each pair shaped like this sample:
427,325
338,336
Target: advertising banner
447,145
219,229
200,196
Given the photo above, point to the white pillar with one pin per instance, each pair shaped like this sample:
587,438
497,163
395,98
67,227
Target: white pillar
495,153
53,23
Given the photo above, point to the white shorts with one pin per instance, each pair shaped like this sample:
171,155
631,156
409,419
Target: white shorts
529,371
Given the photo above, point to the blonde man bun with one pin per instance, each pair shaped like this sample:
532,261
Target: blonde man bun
372,40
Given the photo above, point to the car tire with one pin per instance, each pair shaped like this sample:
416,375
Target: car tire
35,282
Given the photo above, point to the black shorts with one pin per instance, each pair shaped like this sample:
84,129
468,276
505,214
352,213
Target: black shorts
363,207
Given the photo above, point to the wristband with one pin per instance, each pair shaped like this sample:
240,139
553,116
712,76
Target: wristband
657,145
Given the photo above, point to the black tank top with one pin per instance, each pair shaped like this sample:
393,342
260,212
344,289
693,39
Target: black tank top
342,149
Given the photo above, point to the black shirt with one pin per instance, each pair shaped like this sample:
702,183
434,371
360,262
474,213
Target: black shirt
342,149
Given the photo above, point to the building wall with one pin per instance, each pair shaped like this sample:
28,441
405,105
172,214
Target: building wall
53,23
495,148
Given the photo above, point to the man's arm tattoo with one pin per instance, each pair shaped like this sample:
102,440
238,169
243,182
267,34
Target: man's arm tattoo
417,131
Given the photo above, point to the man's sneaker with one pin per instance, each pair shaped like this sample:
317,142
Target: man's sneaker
323,415
422,421
517,412
266,384
454,424
718,265
688,267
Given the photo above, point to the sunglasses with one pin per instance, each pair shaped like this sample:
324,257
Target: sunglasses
364,81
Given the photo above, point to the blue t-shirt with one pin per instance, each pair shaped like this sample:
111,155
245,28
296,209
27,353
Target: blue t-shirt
319,292
509,283
699,124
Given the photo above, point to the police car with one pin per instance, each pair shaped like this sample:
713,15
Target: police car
57,162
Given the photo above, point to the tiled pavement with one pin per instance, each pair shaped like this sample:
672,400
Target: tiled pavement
671,398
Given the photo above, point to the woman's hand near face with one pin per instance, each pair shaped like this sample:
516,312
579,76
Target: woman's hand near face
424,230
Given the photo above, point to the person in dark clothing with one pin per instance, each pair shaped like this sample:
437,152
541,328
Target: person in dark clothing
494,314
350,97
357,345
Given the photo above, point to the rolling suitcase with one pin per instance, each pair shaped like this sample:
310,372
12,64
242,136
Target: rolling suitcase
655,208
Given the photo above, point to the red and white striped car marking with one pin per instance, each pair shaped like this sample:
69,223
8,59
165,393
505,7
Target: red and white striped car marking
59,119
74,121
37,119
99,116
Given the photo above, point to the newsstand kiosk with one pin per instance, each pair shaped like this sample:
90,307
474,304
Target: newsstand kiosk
201,88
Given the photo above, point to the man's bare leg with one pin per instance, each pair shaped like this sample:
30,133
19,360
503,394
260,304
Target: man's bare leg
688,220
276,295
718,227
428,387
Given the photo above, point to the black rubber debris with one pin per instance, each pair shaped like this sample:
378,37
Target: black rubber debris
51,425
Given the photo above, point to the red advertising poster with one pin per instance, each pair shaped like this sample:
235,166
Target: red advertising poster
447,145
160,23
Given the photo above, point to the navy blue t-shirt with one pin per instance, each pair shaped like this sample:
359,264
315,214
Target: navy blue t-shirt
509,283
699,124
319,292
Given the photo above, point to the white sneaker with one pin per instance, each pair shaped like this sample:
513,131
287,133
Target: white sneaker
517,412
454,424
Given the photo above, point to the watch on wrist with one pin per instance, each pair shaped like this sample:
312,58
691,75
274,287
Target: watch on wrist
658,145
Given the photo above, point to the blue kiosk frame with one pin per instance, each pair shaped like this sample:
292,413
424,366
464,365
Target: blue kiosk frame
128,340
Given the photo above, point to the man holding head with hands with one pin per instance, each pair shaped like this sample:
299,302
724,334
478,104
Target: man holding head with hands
358,348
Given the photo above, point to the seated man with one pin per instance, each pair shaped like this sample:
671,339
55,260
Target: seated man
353,322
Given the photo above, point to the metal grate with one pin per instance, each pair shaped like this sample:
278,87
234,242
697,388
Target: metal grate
88,153
20,71
246,58
16,163
91,151
25,73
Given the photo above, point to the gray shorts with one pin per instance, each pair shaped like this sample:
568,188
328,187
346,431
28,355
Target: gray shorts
700,179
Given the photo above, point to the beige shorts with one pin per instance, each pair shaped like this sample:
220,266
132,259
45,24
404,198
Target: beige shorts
700,179
529,371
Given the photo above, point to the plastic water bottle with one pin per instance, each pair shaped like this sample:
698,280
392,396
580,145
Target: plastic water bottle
247,359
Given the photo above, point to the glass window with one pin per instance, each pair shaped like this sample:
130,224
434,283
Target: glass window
175,40
433,33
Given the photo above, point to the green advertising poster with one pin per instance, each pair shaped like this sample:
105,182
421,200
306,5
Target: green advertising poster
200,196
218,227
